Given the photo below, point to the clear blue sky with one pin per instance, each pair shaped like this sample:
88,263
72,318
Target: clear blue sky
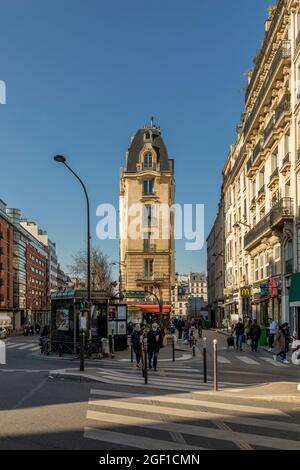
83,75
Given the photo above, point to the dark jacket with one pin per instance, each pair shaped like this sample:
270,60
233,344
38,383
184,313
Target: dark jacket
153,343
239,329
180,324
255,331
136,341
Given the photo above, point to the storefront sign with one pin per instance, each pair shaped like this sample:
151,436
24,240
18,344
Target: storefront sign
135,294
246,291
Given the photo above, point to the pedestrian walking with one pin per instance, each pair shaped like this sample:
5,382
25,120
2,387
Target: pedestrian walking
272,329
282,343
130,328
154,344
239,333
136,343
255,334
180,326
247,329
200,327
186,331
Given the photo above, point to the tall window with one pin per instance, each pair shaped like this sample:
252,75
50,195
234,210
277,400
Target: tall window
148,160
148,267
256,268
148,186
274,162
261,178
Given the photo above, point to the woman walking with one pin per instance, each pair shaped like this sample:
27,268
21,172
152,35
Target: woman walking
282,342
136,343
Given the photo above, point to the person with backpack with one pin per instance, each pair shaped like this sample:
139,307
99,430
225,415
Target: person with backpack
255,334
154,344
136,343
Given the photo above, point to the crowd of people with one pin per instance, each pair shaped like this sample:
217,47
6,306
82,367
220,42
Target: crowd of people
250,332
154,335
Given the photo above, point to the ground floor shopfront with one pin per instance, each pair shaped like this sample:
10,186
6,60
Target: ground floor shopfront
137,313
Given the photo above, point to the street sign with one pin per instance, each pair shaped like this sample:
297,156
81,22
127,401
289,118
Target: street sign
83,323
134,294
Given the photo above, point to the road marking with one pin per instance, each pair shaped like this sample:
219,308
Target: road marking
36,348
136,441
247,360
14,345
274,363
207,404
195,414
184,357
226,434
27,346
223,360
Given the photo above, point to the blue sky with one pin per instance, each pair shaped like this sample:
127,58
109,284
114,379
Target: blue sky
83,75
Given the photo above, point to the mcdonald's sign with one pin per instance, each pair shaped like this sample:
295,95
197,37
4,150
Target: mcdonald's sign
246,291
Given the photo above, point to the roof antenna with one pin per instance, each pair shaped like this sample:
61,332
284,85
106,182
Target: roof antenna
152,122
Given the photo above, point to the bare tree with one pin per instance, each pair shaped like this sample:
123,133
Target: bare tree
101,276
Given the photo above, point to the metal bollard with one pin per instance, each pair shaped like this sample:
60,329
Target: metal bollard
131,352
204,361
145,362
82,351
215,365
173,348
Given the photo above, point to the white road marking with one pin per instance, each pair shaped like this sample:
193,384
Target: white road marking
137,441
184,357
247,360
274,363
223,360
14,345
195,414
111,419
27,346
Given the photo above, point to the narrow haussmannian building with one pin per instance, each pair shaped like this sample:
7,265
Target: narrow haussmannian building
147,248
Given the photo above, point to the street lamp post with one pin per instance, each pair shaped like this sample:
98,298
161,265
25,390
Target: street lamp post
62,159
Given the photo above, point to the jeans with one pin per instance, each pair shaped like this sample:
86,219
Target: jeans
239,342
271,340
154,355
138,357
254,344
179,333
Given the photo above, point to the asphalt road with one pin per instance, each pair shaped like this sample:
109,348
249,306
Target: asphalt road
39,412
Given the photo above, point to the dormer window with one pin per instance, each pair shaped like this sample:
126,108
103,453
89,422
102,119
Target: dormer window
148,135
148,161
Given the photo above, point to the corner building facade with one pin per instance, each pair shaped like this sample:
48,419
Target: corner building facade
148,262
261,181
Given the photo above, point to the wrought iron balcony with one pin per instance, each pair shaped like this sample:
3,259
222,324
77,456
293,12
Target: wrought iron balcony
269,128
280,212
284,105
256,151
146,167
151,277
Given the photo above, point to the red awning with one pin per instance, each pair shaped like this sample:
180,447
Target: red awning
154,308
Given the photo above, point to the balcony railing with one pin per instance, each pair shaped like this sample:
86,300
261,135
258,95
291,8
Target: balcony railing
146,166
151,277
267,38
284,52
149,248
284,105
281,210
269,128
249,165
256,151
286,159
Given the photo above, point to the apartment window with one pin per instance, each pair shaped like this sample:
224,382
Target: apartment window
256,268
148,186
261,178
262,213
148,161
277,267
287,189
274,162
286,144
148,267
149,212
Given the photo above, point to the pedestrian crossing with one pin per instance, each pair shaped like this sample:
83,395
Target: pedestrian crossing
22,346
182,421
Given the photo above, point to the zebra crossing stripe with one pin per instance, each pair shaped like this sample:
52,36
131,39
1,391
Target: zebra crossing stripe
274,363
195,402
247,360
223,360
14,345
27,346
196,414
36,348
137,441
112,419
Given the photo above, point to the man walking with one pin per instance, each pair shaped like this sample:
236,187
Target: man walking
154,343
272,332
180,326
255,333
239,333
282,339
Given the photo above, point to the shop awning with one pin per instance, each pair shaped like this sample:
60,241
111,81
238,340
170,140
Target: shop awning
295,290
154,308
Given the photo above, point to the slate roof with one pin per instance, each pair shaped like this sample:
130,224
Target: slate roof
138,143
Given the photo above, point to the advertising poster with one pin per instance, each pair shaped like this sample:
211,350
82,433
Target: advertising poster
121,328
62,320
121,312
